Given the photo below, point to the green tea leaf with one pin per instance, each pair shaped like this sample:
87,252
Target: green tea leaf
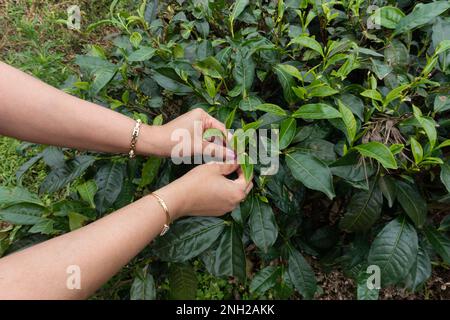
394,251
59,177
264,280
412,202
210,67
421,270
263,227
316,111
363,210
150,171
183,282
349,121
428,125
445,175
310,171
439,242
388,17
301,275
17,195
287,132
421,15
308,42
76,220
23,214
109,179
287,83
417,150
272,108
372,94
188,238
87,192
230,255
143,286
362,290
142,54
379,152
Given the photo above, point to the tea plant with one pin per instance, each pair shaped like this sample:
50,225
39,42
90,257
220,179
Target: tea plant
361,97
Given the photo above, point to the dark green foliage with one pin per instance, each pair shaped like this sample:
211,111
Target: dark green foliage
360,99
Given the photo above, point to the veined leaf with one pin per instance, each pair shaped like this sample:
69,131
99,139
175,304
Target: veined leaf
76,220
362,290
287,83
263,227
264,280
388,188
238,7
321,91
417,150
439,242
387,17
16,195
372,94
230,255
287,132
188,238
349,121
143,286
109,180
316,111
272,108
379,152
182,282
421,15
87,192
412,202
291,70
363,210
244,73
428,125
61,176
301,274
310,171
394,251
210,67
421,270
142,54
308,42
22,214
150,171
445,175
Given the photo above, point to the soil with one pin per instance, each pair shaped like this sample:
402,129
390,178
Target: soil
336,286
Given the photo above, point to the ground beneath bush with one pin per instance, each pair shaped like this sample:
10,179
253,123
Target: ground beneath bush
337,286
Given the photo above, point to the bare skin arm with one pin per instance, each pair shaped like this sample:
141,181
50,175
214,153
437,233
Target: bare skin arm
101,248
31,110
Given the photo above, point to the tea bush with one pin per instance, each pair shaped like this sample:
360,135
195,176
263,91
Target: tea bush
360,95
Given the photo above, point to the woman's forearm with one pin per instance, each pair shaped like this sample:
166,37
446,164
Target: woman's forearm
99,250
33,111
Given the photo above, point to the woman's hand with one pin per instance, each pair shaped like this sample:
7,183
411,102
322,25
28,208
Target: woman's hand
206,191
189,128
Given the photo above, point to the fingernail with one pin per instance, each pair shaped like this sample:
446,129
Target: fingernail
231,155
230,136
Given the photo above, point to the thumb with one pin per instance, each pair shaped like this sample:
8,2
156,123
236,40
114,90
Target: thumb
225,168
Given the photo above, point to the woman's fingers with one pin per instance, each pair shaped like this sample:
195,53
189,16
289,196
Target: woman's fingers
224,169
241,178
214,123
249,188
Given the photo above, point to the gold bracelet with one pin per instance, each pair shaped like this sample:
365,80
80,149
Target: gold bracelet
134,138
166,211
